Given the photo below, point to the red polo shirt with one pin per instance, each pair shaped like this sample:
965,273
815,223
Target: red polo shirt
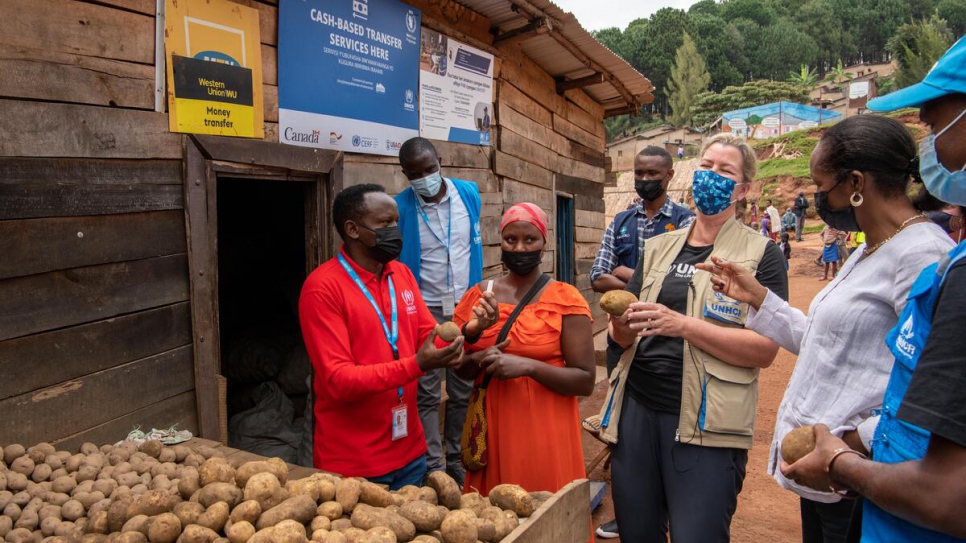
356,379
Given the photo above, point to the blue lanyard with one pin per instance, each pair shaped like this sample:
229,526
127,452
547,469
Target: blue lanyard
391,337
449,231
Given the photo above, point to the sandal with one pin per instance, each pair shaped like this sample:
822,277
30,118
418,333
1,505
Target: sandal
591,424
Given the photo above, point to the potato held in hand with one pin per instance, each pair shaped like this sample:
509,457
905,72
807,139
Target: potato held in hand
798,443
448,331
616,302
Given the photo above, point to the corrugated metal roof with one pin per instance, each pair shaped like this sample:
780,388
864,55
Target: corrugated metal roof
558,61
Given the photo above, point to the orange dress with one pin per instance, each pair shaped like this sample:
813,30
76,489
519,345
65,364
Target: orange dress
533,433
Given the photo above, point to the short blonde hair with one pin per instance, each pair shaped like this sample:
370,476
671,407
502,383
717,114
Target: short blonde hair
749,160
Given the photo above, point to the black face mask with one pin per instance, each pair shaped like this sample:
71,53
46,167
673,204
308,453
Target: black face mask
649,190
839,219
521,263
389,243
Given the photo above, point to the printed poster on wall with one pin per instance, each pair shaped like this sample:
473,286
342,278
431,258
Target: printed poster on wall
455,90
214,70
348,74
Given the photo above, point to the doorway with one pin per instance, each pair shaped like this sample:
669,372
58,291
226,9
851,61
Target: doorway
566,269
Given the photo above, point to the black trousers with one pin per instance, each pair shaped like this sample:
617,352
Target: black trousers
826,522
660,483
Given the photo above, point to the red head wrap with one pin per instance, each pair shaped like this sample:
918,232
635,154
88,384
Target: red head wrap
526,212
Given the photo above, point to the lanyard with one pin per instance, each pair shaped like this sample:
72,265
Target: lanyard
393,336
449,231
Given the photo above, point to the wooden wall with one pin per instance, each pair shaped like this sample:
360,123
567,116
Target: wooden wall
95,329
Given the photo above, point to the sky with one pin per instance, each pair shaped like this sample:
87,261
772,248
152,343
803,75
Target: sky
600,14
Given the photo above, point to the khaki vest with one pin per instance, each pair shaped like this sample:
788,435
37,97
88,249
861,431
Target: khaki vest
718,400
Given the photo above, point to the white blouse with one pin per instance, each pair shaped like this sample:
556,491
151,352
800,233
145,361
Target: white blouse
843,362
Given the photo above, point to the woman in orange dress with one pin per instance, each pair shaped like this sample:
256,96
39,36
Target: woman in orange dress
533,426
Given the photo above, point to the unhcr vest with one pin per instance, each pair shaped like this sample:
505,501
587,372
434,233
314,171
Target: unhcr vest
897,441
627,246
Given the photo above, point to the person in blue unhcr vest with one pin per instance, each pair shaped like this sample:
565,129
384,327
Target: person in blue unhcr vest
915,489
443,246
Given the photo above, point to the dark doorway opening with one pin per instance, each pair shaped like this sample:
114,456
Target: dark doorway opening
261,251
566,269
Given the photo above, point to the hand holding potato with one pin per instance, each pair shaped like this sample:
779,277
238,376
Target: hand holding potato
487,313
429,357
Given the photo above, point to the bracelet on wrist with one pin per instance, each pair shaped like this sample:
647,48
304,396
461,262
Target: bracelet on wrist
468,339
837,453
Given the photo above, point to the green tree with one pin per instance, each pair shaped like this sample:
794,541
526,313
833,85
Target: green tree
705,7
754,10
722,48
838,74
916,47
805,77
689,77
776,47
818,19
954,13
877,21
708,106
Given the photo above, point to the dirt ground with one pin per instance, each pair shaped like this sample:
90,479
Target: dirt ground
766,512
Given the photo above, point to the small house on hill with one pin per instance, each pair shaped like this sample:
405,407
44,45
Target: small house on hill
775,119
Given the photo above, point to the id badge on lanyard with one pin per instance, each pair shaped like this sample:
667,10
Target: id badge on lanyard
400,418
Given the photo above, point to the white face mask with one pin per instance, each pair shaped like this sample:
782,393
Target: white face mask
428,186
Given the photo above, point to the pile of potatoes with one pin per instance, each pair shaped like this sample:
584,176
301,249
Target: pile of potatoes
159,494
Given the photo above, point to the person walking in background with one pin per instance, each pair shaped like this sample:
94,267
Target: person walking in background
830,250
440,223
532,378
774,220
786,248
765,226
800,207
680,151
866,160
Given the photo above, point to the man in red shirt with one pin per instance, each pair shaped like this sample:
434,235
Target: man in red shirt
370,337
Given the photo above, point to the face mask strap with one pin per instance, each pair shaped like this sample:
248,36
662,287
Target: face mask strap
950,125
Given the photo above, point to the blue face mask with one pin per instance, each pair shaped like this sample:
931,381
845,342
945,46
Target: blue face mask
712,192
428,186
949,187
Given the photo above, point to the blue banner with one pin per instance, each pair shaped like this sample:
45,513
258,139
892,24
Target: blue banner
348,74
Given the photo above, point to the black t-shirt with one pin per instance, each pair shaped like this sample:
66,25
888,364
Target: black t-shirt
934,400
655,376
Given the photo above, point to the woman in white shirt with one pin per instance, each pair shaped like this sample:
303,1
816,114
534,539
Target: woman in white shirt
864,168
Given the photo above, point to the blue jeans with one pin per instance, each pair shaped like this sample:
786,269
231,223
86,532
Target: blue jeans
412,473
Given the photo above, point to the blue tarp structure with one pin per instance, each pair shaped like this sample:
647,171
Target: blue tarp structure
763,121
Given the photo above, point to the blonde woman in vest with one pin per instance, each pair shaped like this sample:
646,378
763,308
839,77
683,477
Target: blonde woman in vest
862,167
681,409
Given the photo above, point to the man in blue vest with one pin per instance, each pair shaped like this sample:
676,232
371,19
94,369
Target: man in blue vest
443,246
623,245
915,490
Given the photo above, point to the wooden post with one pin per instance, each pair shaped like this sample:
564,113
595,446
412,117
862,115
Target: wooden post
564,518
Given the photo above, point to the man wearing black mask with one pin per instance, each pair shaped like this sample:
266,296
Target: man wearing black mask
623,245
370,337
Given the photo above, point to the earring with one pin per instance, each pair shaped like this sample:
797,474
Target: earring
856,199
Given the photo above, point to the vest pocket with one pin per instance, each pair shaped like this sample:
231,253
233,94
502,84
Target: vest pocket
730,399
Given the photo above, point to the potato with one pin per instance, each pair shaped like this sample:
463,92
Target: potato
321,490
209,452
340,525
320,523
798,443
197,534
41,473
151,447
86,473
137,524
216,470
72,510
167,455
446,489
374,495
49,525
616,302
57,498
12,452
21,499
240,532
164,528
319,535
265,489
23,465
334,537
117,512
16,481
215,516
188,512
539,498
472,501
502,521
512,498
427,495
104,486
331,510
379,534
367,517
426,517
347,494
97,524
459,526
301,508
425,538
188,483
130,537
28,519
248,510
448,331
354,535
6,524
220,492
151,503
289,531
63,484
19,535
275,466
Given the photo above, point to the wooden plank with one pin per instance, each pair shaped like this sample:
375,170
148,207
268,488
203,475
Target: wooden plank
66,408
585,119
387,175
462,155
515,98
582,153
575,168
491,256
174,411
584,265
71,353
265,153
589,235
515,192
146,7
270,101
586,103
269,65
564,518
576,185
571,131
519,146
532,80
35,201
89,171
62,77
589,219
589,203
34,129
586,250
521,170
76,27
526,127
42,245
490,228
33,304
484,179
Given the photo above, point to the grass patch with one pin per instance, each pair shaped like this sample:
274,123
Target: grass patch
902,112
813,229
803,141
794,167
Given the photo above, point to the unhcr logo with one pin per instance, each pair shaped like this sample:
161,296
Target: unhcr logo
904,341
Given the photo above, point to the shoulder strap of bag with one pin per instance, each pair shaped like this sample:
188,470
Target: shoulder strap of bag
505,331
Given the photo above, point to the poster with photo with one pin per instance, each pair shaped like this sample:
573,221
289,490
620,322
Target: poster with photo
455,90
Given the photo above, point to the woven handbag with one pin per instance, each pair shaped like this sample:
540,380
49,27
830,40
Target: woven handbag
473,441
